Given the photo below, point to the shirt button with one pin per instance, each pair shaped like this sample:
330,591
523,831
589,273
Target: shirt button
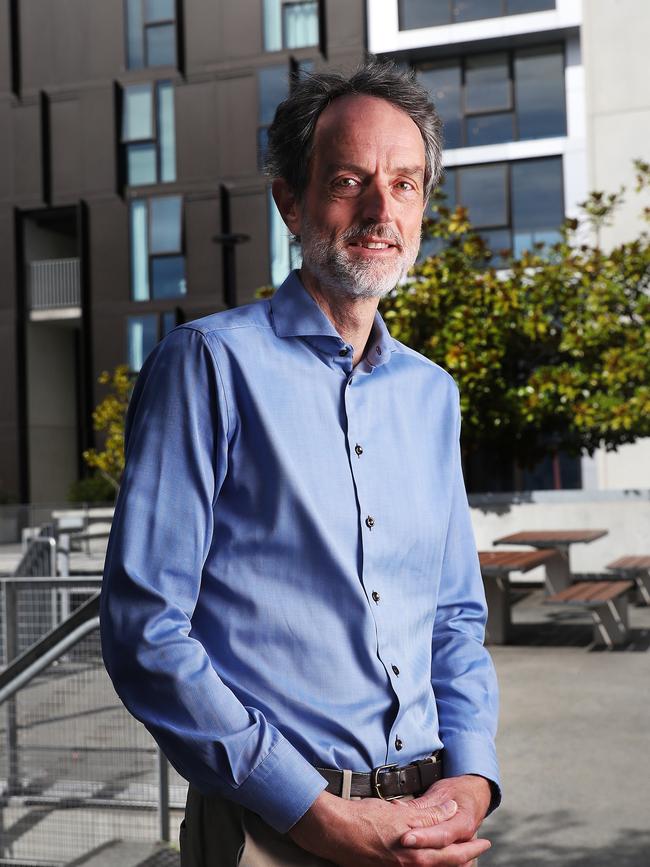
370,522
398,744
350,381
395,670
375,597
343,352
358,450
378,350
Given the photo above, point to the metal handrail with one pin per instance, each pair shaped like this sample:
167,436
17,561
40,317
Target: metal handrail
20,671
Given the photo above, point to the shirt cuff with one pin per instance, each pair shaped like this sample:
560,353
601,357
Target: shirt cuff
473,753
281,788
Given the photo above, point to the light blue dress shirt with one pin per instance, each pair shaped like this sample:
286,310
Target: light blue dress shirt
291,578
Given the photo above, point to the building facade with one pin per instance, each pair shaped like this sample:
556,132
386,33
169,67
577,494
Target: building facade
131,192
543,101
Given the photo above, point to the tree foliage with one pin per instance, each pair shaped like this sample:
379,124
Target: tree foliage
108,417
550,349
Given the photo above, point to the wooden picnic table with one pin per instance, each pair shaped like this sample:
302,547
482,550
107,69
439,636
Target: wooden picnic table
496,567
559,574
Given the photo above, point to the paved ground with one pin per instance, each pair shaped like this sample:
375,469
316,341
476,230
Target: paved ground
574,745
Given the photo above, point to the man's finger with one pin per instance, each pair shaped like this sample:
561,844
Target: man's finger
458,854
437,835
433,814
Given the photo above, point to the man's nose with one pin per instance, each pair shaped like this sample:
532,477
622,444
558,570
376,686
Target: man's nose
377,204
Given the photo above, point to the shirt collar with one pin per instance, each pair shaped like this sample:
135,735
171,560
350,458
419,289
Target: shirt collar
296,314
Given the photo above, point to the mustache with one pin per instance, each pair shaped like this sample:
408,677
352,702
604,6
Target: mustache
372,231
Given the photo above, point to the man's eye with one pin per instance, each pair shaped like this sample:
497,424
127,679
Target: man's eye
405,185
348,183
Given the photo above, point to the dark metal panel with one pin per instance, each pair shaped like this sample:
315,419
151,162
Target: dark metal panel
202,255
27,145
98,140
238,128
345,27
6,168
65,149
6,47
202,33
199,134
108,222
249,215
241,25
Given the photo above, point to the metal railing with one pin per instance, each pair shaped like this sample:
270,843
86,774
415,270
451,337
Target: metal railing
54,283
77,770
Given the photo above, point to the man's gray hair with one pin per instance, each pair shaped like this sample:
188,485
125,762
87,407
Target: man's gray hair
291,134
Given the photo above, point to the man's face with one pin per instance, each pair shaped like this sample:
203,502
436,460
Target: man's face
360,219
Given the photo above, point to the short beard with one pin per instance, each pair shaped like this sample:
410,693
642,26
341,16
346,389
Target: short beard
328,260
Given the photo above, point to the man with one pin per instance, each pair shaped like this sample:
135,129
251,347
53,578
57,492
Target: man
292,599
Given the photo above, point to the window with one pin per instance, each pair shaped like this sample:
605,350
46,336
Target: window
284,253
498,97
143,332
150,33
157,260
431,13
513,205
290,24
273,85
148,133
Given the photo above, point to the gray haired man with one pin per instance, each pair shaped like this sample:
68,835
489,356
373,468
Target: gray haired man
292,599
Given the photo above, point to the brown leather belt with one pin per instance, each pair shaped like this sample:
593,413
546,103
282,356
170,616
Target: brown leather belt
388,781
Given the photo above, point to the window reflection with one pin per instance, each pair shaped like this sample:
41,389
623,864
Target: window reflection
150,33
539,92
432,13
157,260
290,24
148,134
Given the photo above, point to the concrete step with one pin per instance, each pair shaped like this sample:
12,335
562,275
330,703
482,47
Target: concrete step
120,853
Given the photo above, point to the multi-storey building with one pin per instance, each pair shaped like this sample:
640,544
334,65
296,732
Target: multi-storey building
542,100
131,196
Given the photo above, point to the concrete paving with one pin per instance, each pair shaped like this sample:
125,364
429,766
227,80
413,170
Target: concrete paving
574,744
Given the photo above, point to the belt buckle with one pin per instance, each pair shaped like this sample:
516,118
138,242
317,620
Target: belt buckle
376,782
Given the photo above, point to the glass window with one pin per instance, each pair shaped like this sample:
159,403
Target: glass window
157,261
166,132
539,92
483,190
515,7
432,13
272,88
168,276
424,13
444,83
142,336
137,123
484,129
290,24
537,202
150,33
487,83
168,321
150,147
160,45
471,10
139,251
502,96
159,10
165,224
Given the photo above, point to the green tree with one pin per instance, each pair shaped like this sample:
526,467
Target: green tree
109,417
550,349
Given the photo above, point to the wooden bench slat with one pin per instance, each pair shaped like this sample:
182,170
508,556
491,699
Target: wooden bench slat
631,562
550,537
513,561
591,592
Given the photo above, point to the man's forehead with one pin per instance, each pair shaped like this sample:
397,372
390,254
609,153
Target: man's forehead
356,117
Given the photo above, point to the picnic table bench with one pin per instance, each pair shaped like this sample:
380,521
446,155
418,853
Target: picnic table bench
559,573
496,567
606,601
637,568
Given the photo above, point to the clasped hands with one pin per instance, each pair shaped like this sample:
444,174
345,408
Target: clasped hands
438,828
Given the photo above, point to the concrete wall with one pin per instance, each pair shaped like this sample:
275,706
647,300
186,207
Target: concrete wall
615,39
625,514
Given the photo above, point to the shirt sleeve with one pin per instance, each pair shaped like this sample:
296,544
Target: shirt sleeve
463,676
176,460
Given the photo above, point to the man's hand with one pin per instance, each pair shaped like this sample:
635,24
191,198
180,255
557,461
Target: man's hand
370,832
472,795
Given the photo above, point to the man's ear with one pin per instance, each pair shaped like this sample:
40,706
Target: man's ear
287,204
